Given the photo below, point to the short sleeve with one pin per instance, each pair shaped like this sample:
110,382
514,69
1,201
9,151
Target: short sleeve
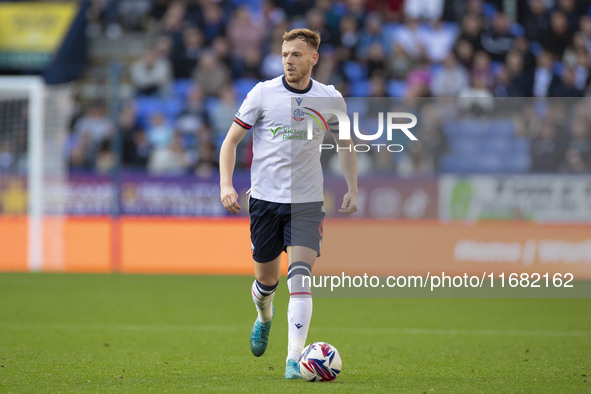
250,110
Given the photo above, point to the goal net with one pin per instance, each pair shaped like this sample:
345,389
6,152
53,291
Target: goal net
33,174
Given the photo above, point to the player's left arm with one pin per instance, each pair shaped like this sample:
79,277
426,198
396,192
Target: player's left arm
348,162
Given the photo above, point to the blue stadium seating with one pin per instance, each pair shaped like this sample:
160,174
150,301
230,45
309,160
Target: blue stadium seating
396,88
359,88
354,71
517,163
147,106
182,87
242,86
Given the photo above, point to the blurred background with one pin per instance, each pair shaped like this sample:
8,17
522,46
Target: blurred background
138,96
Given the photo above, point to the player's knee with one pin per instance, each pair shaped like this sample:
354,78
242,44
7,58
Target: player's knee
268,279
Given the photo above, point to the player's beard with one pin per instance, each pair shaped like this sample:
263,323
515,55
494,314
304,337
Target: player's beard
295,77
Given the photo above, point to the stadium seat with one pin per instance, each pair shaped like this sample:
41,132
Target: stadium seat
454,163
489,10
182,87
242,86
518,163
211,103
502,127
359,89
396,88
465,144
488,162
498,145
354,71
147,106
520,145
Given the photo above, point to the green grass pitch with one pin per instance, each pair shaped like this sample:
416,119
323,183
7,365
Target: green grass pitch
134,333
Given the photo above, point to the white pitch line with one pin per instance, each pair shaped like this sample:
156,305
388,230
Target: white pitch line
233,328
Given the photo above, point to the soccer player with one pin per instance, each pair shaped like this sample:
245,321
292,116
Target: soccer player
286,198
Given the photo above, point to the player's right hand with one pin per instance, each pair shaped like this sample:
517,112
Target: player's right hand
229,198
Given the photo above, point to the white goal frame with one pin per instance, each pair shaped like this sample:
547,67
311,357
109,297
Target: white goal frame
33,89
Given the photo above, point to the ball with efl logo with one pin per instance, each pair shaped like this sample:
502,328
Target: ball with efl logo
320,362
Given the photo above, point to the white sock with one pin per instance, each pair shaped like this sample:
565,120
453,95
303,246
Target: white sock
299,310
263,300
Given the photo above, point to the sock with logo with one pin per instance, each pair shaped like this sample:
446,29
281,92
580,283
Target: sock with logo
299,310
262,296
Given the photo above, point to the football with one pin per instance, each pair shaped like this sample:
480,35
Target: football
320,362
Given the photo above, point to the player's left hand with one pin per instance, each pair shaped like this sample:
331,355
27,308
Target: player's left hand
349,205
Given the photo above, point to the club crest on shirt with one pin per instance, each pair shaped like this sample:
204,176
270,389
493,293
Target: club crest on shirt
298,114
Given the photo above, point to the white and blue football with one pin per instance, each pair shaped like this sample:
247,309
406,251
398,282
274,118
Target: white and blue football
320,362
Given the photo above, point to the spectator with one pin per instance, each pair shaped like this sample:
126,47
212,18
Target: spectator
159,131
570,11
537,22
186,60
464,53
522,46
581,66
207,164
96,124
565,85
105,159
135,149
170,159
316,21
391,10
399,64
151,75
272,14
476,99
580,138
438,42
80,157
376,63
430,10
251,66
574,163
585,25
244,35
211,74
412,38
133,13
348,33
272,65
451,79
419,80
472,30
373,34
222,114
214,22
102,15
557,38
498,39
543,74
193,117
221,48
546,154
173,23
481,68
519,81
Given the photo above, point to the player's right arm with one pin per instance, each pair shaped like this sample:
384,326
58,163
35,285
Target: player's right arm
228,194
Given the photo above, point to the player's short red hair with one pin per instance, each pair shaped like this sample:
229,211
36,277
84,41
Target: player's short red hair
312,38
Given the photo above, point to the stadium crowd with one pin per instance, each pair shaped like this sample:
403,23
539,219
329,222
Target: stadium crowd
206,55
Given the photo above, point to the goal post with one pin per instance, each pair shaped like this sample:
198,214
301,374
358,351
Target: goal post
46,110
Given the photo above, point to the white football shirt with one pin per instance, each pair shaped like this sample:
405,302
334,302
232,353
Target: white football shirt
286,164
